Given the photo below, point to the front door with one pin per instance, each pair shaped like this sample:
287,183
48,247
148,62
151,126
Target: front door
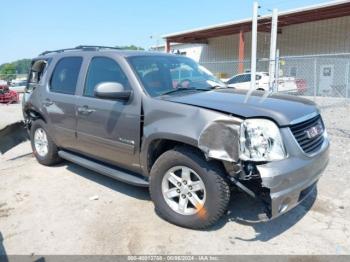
108,130
326,79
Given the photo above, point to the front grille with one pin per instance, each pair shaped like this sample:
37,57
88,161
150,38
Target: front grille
309,145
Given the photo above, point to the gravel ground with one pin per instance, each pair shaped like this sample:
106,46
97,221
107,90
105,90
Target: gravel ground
67,209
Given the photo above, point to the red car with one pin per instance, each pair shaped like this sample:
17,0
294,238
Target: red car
7,96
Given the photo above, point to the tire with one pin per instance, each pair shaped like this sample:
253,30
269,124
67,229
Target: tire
217,190
51,156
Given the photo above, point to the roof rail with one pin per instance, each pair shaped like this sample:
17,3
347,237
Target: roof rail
80,47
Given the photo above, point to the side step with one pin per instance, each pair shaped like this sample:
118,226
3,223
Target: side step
105,170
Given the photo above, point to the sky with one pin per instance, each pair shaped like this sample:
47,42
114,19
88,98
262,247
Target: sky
29,27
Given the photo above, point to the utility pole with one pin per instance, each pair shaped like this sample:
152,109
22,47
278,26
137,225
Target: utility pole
156,38
347,80
254,47
273,44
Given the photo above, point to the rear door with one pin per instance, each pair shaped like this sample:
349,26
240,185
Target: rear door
59,101
108,130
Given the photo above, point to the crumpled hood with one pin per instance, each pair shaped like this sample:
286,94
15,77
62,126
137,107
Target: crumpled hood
281,108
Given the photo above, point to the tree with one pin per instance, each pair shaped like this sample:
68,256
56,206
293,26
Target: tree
130,47
22,66
8,71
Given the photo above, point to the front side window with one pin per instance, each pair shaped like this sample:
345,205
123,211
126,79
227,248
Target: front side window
103,69
236,79
163,74
65,76
243,78
247,78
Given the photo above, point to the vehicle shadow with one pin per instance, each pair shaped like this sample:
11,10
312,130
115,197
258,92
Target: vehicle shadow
242,209
3,255
140,193
245,211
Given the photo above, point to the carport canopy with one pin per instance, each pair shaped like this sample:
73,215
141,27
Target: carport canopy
292,17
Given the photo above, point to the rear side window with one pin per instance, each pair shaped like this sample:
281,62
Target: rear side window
65,76
103,69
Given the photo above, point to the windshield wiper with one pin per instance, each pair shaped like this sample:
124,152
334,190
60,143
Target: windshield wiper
185,89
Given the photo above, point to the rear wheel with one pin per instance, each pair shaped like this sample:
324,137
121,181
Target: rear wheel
44,149
187,190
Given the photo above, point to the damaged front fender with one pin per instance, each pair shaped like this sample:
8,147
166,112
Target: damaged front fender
220,139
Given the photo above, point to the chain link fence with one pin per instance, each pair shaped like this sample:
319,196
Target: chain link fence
326,76
322,78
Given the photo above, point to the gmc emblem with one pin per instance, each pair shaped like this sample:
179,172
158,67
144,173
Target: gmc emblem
314,131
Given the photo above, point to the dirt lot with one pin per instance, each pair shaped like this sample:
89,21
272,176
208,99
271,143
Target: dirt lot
50,210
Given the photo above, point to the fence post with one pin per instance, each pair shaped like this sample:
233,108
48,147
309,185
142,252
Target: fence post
277,71
315,78
347,80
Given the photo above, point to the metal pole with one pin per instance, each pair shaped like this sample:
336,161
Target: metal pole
277,71
347,80
273,44
254,45
315,79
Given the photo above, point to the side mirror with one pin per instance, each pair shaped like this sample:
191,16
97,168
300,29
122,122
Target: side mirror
112,90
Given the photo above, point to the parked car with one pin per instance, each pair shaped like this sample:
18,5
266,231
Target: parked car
118,113
7,96
18,85
285,84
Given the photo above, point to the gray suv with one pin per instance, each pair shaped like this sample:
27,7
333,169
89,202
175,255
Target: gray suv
164,122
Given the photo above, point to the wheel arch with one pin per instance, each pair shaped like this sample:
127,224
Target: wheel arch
157,144
32,115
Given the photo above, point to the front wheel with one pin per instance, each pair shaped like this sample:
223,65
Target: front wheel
187,190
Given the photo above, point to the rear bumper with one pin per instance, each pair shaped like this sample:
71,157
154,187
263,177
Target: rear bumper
290,181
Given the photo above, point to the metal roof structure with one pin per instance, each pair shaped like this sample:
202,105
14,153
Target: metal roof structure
296,16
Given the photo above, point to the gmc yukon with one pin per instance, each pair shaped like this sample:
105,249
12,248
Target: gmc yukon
162,121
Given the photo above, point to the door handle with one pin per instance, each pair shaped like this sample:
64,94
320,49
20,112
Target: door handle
48,102
85,110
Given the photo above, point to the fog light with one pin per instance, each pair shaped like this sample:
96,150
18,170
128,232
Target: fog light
284,205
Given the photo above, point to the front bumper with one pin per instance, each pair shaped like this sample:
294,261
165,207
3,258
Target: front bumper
290,181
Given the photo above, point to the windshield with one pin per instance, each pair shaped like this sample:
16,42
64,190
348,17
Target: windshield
162,75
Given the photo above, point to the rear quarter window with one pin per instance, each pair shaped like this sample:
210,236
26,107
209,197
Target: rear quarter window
65,75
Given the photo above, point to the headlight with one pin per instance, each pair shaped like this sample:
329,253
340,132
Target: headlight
260,140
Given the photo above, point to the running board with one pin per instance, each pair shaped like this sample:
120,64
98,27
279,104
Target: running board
103,169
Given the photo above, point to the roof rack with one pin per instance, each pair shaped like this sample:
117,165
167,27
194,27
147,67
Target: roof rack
80,47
